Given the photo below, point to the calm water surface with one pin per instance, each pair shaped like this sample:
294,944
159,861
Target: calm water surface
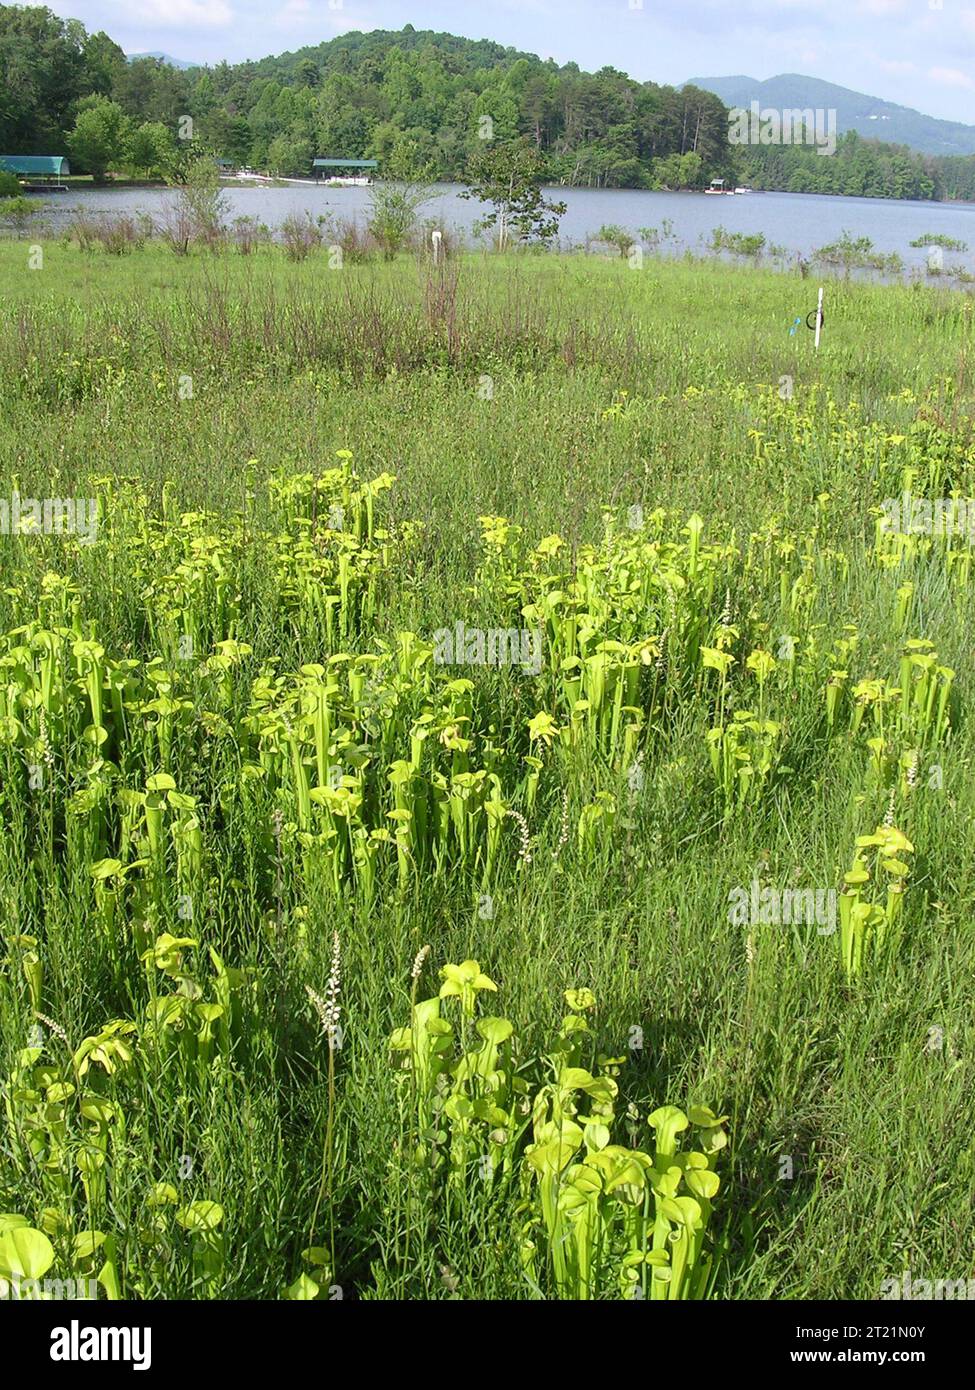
799,222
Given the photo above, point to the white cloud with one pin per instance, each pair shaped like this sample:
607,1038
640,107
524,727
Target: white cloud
950,77
882,6
185,14
893,65
316,15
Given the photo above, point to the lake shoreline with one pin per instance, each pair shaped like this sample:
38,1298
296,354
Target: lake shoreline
81,183
789,228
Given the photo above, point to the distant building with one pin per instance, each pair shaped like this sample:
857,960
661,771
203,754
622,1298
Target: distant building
37,170
344,171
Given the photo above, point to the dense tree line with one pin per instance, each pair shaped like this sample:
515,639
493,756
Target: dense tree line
47,66
416,101
957,174
859,168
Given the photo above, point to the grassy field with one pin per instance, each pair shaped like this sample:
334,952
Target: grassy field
229,740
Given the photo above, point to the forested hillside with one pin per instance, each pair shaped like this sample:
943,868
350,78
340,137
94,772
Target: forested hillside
415,100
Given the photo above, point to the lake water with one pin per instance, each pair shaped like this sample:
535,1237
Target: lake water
800,222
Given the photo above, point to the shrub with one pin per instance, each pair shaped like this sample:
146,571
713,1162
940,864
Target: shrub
613,235
83,228
857,253
300,236
247,233
354,242
119,234
393,216
17,213
738,243
198,210
939,239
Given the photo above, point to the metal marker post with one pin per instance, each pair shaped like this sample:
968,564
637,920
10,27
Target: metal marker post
819,317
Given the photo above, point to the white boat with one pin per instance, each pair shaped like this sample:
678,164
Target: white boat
354,181
744,190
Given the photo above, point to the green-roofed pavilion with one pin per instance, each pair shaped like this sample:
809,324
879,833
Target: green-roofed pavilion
36,166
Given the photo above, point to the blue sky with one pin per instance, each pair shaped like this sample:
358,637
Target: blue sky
920,53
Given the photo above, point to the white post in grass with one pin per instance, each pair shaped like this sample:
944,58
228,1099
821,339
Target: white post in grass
819,317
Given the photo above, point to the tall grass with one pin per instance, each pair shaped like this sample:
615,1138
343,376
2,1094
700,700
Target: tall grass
572,398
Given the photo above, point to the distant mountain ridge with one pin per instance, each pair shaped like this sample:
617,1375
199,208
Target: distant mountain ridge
163,58
871,117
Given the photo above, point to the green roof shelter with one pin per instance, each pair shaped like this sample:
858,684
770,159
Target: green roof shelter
32,167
